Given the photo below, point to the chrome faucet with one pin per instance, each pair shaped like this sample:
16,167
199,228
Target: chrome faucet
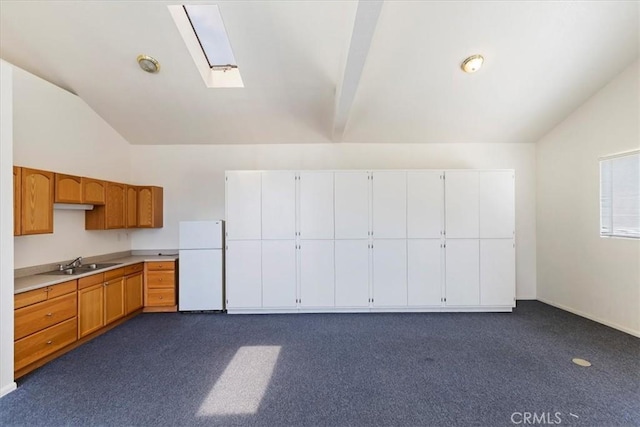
73,264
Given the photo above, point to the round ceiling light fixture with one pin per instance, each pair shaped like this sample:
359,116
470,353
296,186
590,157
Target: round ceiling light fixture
472,63
148,64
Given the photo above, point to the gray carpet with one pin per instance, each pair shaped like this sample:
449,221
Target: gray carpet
451,369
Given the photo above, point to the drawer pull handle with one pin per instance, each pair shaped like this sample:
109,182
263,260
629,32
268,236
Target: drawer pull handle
160,296
49,342
49,314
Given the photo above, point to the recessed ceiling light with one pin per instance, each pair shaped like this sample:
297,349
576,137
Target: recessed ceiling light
148,64
472,64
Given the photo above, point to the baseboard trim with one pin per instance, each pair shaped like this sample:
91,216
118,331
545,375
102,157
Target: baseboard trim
590,317
8,388
491,309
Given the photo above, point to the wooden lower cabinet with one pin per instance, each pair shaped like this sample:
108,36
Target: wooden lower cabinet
43,343
113,300
133,292
52,320
160,286
90,309
45,320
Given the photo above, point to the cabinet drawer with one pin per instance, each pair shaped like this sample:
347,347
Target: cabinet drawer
31,297
161,265
161,279
113,274
62,289
42,315
135,268
161,297
43,343
94,279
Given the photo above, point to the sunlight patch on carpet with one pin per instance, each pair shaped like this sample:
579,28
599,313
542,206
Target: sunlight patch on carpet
242,385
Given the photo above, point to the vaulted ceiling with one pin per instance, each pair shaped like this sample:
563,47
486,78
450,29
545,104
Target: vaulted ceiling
330,71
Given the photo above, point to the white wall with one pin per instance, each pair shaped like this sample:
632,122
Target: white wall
55,130
6,230
193,180
578,270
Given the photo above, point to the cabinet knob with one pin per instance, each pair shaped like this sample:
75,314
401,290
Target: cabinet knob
49,342
49,314
160,296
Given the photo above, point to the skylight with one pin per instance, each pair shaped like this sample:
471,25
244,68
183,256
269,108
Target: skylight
205,38
212,36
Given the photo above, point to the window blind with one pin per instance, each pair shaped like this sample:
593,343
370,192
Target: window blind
620,195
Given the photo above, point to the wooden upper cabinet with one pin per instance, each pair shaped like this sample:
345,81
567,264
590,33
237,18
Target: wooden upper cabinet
17,197
93,191
68,188
132,206
150,210
113,213
36,201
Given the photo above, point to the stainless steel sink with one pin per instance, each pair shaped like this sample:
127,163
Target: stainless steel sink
90,267
87,268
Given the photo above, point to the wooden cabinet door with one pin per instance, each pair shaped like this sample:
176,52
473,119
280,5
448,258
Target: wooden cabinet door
37,201
389,204
93,191
17,198
115,206
150,210
133,292
351,205
316,205
113,300
243,267
425,204
462,272
352,273
497,204
90,309
279,273
278,204
243,194
461,204
68,188
132,206
390,273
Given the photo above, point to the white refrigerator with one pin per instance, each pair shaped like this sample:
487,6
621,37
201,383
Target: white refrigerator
200,270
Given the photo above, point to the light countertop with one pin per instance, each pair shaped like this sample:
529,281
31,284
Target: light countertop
36,281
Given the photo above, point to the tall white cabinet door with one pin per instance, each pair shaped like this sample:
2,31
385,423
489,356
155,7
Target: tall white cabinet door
316,205
424,272
390,273
243,194
316,274
351,205
243,274
462,272
278,205
497,204
389,202
425,204
461,204
497,272
279,274
352,273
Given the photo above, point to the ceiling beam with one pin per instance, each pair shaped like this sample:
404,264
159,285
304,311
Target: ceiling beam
363,29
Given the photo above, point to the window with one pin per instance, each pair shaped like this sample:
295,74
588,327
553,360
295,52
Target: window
620,195
208,26
205,38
